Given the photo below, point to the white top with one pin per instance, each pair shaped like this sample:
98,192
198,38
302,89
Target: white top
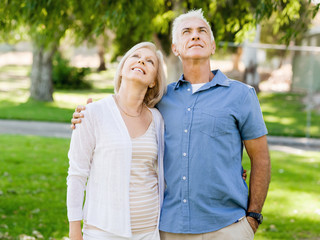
100,162
144,196
196,86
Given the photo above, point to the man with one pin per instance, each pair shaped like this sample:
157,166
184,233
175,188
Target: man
208,118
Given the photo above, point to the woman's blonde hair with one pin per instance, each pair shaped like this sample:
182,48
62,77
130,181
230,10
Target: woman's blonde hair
153,95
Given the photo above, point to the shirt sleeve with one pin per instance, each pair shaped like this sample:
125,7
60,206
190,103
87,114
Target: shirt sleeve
80,157
251,123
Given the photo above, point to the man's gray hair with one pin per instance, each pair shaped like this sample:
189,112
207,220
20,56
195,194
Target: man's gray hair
191,14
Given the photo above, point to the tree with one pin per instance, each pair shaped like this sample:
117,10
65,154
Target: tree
46,23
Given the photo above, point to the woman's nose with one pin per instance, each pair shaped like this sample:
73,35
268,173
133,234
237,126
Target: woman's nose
141,61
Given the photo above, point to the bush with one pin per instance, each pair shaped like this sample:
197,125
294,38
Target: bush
65,76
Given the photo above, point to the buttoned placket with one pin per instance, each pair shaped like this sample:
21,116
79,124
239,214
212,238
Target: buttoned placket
188,115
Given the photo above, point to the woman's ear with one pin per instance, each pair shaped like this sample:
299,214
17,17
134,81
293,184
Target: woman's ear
152,85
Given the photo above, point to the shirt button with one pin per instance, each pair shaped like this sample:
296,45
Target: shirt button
186,130
184,178
184,200
188,89
189,109
184,154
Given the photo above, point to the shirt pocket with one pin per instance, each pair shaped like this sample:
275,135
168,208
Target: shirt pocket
214,123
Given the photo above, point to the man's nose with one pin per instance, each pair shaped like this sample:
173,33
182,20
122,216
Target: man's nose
195,36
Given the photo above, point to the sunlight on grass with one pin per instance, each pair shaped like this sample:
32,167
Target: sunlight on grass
292,208
71,100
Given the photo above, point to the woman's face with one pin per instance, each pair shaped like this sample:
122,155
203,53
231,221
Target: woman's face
141,66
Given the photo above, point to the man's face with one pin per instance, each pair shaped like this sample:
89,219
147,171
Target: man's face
194,40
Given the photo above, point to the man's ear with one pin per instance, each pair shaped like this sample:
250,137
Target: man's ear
175,49
213,47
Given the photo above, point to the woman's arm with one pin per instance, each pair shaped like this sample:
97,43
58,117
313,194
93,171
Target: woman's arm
75,230
80,158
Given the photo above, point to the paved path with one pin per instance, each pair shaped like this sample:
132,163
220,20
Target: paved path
62,130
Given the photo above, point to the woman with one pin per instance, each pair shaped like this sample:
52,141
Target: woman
116,155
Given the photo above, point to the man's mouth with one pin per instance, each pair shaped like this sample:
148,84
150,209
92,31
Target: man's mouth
196,46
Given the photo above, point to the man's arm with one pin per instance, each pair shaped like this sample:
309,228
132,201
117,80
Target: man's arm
258,152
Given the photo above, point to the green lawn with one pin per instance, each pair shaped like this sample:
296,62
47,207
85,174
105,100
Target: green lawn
33,174
284,113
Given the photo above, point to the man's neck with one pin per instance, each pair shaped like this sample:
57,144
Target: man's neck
197,71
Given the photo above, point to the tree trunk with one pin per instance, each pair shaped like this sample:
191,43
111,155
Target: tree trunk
41,74
174,68
101,52
237,58
173,63
251,75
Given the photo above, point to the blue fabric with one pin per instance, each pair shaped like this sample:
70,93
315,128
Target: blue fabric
203,153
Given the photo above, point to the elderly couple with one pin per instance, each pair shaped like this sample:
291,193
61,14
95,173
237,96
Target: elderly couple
174,175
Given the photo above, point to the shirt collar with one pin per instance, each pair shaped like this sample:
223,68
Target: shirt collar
218,79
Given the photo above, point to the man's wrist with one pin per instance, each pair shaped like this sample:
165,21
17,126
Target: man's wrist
257,216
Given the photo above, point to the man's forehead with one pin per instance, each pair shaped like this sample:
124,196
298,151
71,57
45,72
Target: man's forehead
193,23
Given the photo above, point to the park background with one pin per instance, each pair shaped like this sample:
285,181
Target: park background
56,54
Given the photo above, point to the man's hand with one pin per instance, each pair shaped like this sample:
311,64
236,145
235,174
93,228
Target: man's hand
77,115
244,175
253,223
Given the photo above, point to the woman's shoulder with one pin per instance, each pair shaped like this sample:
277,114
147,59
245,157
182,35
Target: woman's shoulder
96,106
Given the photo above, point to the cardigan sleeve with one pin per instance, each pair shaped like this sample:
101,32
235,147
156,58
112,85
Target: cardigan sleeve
80,157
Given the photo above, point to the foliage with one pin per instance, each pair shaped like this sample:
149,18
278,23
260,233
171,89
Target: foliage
65,76
285,20
33,174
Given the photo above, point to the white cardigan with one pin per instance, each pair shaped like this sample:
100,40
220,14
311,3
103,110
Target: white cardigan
100,162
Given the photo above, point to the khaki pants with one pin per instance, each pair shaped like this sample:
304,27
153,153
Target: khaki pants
236,231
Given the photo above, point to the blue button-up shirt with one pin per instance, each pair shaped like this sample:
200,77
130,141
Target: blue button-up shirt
203,153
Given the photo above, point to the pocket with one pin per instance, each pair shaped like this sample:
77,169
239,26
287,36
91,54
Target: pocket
213,124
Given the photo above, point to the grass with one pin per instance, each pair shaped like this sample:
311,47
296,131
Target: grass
33,174
284,113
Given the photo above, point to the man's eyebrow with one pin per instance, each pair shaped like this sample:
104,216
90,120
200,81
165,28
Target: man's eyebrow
203,27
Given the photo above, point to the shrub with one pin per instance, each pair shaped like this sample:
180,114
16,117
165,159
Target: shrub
65,76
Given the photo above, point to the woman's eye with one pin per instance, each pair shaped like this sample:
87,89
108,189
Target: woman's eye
150,61
135,55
